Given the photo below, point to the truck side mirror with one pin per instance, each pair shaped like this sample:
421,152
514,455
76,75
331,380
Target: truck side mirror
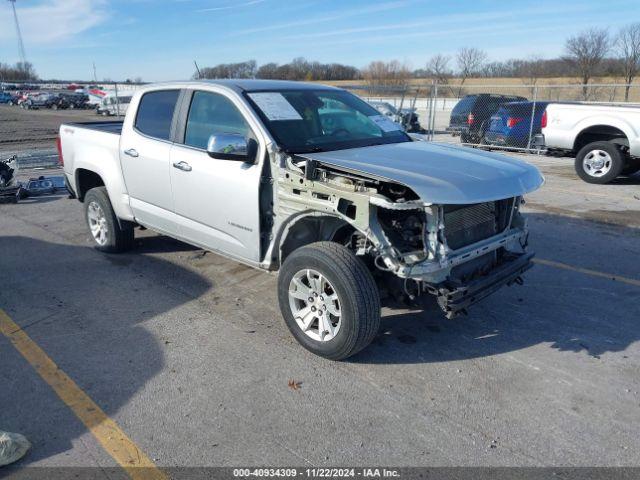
232,146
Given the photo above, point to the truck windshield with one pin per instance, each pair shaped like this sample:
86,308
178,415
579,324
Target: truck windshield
303,121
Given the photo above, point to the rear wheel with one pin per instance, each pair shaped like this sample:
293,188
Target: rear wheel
108,235
329,300
599,162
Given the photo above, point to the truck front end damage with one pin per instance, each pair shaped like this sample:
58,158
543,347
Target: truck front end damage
460,253
463,253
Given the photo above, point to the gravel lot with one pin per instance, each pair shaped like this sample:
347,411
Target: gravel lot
187,351
28,130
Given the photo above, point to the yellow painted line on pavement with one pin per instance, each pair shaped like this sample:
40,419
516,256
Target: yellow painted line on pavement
106,431
586,271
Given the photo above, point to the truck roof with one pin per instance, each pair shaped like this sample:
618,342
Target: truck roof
254,85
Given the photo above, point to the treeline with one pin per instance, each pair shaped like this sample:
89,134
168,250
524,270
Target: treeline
18,72
298,69
591,53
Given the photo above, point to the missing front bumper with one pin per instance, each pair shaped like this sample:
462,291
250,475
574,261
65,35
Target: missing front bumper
454,298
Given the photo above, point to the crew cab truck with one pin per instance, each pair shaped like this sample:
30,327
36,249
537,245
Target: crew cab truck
605,139
314,183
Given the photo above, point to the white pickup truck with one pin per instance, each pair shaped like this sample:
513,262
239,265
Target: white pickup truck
312,182
605,139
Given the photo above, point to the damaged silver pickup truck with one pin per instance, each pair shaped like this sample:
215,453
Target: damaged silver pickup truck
312,182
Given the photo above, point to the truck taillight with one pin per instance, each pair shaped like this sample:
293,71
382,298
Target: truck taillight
470,119
543,123
513,121
59,147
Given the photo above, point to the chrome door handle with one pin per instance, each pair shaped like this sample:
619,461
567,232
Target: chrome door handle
184,166
132,152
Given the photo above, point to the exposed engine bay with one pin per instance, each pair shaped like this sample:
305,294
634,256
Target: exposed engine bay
413,247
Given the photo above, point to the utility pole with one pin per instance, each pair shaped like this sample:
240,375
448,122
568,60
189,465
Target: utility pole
23,55
95,77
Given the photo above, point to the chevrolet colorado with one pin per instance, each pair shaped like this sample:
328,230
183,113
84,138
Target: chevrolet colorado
314,183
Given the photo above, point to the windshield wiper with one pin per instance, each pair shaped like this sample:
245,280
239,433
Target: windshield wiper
294,151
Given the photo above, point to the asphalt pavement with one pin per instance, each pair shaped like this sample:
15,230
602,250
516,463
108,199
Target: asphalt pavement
187,352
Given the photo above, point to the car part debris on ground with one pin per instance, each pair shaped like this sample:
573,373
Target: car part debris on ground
9,189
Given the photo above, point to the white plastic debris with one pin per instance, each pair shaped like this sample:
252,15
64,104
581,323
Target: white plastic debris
13,447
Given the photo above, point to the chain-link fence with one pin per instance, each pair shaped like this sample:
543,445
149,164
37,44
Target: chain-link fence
489,116
493,117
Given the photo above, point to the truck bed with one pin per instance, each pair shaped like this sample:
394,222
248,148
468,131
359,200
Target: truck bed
107,127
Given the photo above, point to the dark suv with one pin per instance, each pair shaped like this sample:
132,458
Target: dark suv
471,116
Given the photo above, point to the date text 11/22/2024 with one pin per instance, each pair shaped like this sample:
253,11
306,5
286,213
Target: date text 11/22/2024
317,472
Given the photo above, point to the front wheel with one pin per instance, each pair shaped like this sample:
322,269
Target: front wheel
108,234
599,162
329,300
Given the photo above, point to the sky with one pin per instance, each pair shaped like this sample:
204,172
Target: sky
159,40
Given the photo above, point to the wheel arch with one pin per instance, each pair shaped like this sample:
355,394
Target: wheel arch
615,132
310,227
86,180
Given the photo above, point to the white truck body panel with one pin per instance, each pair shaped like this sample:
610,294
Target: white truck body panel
96,151
566,121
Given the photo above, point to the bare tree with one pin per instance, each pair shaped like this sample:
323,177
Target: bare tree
391,74
470,61
438,68
18,72
531,70
585,53
628,47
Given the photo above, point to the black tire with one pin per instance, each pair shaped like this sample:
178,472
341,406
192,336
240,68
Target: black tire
118,238
357,293
616,158
466,138
631,166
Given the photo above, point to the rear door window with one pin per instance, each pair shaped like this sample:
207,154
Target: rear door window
155,113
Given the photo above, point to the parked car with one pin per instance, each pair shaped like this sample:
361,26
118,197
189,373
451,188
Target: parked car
604,138
407,117
15,98
112,105
76,100
471,116
64,100
20,98
6,97
36,100
251,170
512,125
